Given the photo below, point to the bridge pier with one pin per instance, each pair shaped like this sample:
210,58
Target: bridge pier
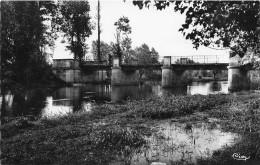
171,76
167,72
123,77
238,76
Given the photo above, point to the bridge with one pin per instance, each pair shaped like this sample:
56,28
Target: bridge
174,71
205,62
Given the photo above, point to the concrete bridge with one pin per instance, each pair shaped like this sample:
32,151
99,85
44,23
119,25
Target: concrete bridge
173,74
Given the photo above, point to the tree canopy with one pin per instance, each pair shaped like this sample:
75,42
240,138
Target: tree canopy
105,51
123,42
29,28
145,55
24,38
74,20
225,24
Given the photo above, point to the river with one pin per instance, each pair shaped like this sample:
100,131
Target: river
42,102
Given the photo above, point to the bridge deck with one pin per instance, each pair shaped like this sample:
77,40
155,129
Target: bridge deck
205,66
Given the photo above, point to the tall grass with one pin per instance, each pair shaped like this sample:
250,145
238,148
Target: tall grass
244,117
71,144
174,106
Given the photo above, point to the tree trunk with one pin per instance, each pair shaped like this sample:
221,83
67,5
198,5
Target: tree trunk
0,48
98,43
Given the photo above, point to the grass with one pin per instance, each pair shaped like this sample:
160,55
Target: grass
65,144
117,131
75,138
174,106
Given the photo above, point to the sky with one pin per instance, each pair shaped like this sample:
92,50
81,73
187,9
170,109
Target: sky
156,28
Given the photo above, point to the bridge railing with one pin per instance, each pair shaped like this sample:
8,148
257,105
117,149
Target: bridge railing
202,59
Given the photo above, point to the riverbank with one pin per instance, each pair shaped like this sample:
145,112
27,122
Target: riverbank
51,82
113,133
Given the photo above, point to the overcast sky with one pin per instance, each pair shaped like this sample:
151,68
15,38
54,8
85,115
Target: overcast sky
156,28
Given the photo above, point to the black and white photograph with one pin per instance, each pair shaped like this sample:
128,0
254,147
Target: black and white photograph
129,82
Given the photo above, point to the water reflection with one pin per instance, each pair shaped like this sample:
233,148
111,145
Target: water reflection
175,144
61,101
207,88
119,93
24,103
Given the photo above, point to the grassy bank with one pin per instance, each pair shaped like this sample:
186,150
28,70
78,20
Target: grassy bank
114,132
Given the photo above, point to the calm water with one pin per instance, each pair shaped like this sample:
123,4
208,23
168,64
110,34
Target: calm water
49,103
173,144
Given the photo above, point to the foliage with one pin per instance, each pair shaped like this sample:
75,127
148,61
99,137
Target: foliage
122,27
116,50
24,39
26,35
105,50
123,49
74,20
145,56
154,56
123,42
126,48
245,118
233,24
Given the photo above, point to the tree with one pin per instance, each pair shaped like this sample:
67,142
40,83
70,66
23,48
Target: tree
74,21
0,49
99,31
126,49
24,38
123,29
154,56
145,56
105,50
232,24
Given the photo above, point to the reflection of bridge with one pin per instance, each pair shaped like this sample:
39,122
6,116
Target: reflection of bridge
175,71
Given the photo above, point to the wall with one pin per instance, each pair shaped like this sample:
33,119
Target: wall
77,76
65,63
70,72
66,75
